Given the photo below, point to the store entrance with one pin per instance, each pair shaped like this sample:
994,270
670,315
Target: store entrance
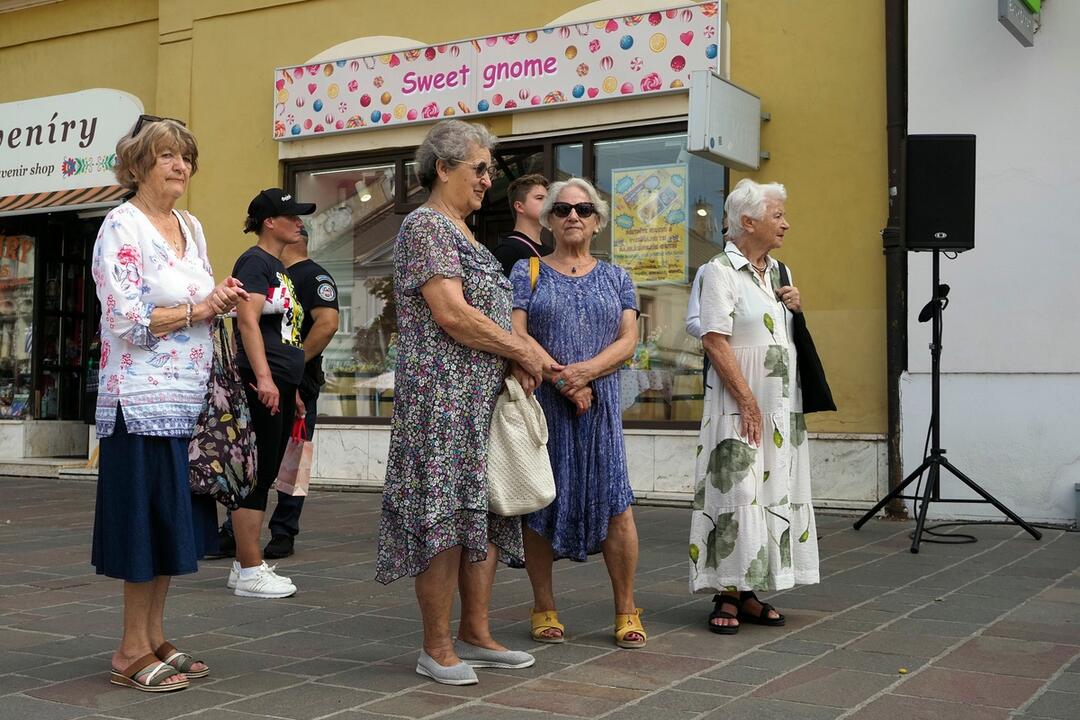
49,317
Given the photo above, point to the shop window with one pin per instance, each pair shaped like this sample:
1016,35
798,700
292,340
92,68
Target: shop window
16,321
353,239
666,206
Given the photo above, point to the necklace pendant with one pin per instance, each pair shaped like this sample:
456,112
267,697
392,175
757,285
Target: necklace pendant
573,269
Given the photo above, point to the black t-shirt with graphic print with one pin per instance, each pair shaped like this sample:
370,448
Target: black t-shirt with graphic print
315,288
262,273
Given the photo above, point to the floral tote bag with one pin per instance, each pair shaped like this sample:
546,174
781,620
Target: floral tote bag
221,455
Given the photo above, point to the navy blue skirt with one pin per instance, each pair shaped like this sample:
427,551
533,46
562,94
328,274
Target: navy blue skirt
143,525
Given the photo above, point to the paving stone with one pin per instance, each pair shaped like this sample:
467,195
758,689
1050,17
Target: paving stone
647,712
1008,657
762,709
1067,682
252,683
20,707
1056,705
17,683
898,643
383,678
485,711
869,661
714,687
798,647
1013,626
170,705
970,688
892,707
567,698
687,701
635,669
821,685
303,702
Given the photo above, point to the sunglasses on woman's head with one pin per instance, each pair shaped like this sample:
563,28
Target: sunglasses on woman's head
583,210
147,119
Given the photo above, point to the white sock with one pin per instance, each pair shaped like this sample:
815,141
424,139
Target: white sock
249,573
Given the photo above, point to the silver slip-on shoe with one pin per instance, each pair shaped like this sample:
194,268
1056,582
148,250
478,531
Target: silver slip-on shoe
479,657
459,674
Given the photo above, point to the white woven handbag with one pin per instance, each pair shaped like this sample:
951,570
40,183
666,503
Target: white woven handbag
518,467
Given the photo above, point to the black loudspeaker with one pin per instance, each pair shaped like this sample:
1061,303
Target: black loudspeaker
939,192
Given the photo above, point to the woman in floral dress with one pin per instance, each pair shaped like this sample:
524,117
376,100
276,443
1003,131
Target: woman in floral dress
753,522
454,340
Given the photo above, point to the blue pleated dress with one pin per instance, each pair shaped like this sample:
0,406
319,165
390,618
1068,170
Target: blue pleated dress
574,319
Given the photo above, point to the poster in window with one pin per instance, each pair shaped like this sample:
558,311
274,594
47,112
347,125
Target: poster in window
649,222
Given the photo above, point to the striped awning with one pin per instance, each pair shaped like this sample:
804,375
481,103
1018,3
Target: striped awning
80,199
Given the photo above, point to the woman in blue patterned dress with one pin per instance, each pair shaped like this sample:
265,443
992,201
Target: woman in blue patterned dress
583,314
454,340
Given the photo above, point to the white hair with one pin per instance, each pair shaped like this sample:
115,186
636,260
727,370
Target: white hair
584,185
747,199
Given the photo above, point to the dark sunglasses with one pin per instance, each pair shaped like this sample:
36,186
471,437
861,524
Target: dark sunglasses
147,119
583,210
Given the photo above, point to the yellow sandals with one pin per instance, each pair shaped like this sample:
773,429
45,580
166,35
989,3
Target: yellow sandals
627,624
543,620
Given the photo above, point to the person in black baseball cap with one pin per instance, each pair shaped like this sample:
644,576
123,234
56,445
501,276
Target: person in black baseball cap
270,362
271,203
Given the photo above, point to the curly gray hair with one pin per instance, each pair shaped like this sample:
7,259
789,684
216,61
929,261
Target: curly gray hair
594,197
449,141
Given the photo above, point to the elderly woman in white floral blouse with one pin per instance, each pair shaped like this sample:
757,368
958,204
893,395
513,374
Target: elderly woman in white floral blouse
157,297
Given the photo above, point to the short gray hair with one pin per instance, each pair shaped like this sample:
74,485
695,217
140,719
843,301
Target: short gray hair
449,141
748,199
555,189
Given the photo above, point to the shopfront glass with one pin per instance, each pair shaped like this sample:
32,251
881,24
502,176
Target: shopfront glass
665,224
16,321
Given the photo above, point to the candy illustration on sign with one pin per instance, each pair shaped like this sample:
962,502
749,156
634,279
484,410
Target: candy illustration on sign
627,56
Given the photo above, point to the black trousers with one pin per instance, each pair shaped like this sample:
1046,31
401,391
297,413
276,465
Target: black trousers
271,437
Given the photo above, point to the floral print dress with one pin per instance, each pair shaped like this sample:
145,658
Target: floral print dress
753,521
435,495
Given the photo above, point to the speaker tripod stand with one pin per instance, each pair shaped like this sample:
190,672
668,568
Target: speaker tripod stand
935,460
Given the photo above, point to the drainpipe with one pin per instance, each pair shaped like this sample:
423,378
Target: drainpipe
893,242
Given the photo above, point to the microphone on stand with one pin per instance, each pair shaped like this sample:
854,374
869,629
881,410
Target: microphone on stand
927,313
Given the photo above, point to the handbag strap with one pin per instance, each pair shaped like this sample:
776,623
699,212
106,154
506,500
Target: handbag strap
534,271
785,280
517,393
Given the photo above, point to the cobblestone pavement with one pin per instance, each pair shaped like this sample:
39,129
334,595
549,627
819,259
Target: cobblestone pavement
985,630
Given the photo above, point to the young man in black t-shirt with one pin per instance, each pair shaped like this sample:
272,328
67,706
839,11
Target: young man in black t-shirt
318,295
526,196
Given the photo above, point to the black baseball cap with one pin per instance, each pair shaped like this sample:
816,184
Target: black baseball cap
273,202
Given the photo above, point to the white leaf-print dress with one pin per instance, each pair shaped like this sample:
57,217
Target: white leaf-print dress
753,521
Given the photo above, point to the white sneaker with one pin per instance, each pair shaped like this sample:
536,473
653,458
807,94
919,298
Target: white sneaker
234,575
266,584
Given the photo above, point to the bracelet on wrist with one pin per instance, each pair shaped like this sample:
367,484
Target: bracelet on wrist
187,320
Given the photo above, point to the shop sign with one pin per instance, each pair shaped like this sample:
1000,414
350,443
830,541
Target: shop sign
63,142
647,54
649,215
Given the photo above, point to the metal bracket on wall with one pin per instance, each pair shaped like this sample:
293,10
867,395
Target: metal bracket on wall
1019,20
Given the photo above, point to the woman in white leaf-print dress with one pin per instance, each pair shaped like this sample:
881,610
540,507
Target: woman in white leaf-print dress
753,522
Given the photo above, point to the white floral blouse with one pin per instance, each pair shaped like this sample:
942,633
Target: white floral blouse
158,380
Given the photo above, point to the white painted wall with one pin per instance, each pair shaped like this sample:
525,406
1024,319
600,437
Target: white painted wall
1011,398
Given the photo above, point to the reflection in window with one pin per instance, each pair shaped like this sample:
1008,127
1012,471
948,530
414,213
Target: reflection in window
352,235
663,380
16,317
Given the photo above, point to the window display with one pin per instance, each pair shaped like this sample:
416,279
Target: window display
666,207
16,323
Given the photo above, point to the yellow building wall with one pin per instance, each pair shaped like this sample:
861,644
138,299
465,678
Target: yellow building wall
819,67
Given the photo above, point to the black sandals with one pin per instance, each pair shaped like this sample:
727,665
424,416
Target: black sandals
762,618
718,613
